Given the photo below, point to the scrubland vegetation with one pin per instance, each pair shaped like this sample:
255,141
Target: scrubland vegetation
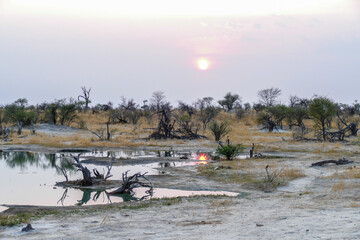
131,124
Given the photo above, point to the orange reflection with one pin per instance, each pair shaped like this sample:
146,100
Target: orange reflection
202,157
202,162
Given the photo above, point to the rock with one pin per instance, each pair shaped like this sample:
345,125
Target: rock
27,228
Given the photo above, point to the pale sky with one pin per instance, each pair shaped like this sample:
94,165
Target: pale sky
50,48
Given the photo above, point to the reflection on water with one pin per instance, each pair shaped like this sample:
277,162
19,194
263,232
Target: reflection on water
25,160
92,197
130,154
29,178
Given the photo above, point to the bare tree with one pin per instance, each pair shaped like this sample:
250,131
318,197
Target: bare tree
128,104
207,110
85,97
186,108
157,100
268,96
296,101
166,123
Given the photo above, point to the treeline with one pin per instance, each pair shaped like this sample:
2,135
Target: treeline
186,120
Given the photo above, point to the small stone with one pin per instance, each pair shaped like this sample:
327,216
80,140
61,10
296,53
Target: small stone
27,228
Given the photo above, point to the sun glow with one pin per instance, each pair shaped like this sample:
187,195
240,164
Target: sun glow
158,8
203,64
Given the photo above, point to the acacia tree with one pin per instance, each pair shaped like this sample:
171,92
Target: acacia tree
322,110
67,113
207,111
202,103
19,114
268,96
230,101
296,116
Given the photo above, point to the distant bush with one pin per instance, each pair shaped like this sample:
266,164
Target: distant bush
18,114
230,101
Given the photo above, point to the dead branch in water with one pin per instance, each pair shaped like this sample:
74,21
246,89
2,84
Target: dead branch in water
108,173
132,182
87,179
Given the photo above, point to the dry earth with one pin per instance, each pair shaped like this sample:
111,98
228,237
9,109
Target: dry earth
322,205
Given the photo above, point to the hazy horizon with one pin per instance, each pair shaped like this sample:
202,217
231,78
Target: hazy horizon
50,48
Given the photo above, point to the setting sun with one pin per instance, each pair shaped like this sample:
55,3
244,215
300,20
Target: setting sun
203,64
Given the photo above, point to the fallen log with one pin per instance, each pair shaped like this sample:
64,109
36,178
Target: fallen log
342,161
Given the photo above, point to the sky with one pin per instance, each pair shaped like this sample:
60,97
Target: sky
188,49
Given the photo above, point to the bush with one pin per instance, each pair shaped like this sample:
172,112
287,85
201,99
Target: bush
18,114
322,110
219,130
229,151
230,101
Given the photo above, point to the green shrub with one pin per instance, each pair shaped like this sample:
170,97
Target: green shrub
229,151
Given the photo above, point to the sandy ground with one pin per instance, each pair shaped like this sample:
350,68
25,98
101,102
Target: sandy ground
306,208
257,217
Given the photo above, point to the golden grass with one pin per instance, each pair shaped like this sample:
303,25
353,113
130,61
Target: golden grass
349,173
339,186
249,172
292,173
354,205
243,131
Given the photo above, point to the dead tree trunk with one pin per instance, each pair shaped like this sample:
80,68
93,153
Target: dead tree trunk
19,124
252,150
87,180
86,97
108,130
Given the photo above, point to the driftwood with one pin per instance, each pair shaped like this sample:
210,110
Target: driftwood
132,182
342,161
